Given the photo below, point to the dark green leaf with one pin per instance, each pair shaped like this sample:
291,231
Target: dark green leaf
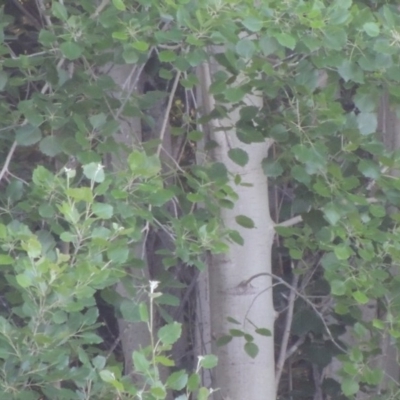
238,156
244,221
251,349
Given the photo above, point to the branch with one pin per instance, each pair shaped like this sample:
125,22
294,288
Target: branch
99,9
245,283
287,331
8,160
291,221
167,111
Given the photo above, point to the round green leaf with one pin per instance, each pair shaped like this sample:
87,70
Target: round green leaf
371,29
27,135
71,50
238,156
251,349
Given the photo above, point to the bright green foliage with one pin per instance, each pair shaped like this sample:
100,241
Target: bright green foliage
66,234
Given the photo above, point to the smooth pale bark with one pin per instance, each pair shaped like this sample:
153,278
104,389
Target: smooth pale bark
237,375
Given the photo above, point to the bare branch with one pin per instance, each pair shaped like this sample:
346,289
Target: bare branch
291,221
8,160
287,330
167,111
245,283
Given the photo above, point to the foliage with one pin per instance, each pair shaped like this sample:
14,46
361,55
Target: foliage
69,233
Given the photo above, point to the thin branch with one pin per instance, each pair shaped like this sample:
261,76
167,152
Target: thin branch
295,347
245,283
287,331
291,221
8,160
100,8
167,111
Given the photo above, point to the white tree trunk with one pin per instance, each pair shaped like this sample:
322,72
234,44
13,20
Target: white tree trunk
238,376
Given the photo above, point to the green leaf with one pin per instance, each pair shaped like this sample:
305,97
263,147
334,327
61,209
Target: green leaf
94,172
223,340
50,146
245,48
59,11
119,5
350,71
253,24
238,156
286,40
130,55
251,349
343,252
15,190
177,380
99,362
236,237
244,221
263,332
141,46
367,123
350,386
27,135
271,168
23,280
371,29
236,332
5,259
118,255
170,333
203,394
80,194
130,311
143,312
338,288
107,376
208,361
140,361
167,56
369,169
360,297
158,391
104,211
193,382
234,94
71,50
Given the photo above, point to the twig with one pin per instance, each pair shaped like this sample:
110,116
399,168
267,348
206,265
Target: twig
99,9
167,111
243,284
8,160
295,347
286,332
291,221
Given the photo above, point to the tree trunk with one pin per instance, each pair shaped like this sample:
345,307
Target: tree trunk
240,281
133,336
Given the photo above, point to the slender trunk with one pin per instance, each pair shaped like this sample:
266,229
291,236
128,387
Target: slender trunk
133,336
233,292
